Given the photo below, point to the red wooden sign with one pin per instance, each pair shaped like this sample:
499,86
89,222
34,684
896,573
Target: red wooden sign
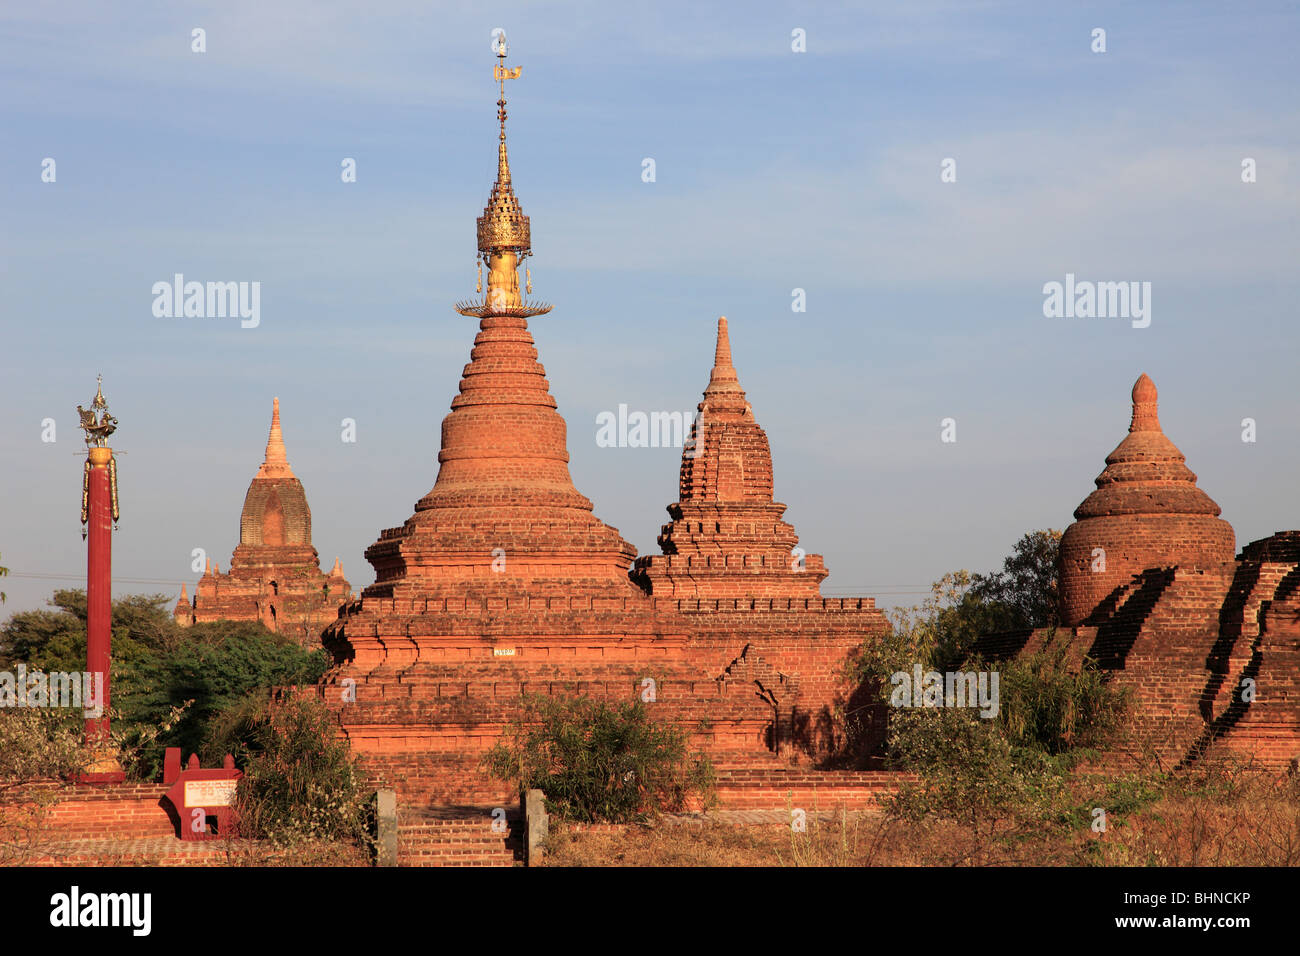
204,799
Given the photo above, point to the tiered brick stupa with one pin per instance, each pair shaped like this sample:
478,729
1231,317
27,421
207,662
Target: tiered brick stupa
1146,513
752,597
504,583
275,574
727,539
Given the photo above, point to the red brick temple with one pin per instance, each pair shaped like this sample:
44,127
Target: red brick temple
275,575
1207,641
504,582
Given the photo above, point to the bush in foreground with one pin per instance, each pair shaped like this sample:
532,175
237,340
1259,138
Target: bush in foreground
599,761
299,783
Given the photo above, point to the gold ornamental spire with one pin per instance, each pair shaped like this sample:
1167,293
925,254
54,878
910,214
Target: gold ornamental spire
504,234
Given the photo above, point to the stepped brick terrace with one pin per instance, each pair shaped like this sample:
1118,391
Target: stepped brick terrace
504,583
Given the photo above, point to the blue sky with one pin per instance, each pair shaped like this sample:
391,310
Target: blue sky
775,170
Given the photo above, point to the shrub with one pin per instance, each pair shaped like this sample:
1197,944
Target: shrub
1049,705
299,783
1002,796
39,744
599,761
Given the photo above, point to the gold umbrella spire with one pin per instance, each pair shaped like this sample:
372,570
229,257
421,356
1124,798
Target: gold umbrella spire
504,234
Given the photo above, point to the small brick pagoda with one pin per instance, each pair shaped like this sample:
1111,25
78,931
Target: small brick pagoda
727,539
1146,513
503,582
275,575
1208,643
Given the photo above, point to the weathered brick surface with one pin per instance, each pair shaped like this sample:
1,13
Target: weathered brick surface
459,836
772,788
83,813
136,851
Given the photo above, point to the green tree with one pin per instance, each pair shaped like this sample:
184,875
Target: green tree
167,682
1026,586
941,632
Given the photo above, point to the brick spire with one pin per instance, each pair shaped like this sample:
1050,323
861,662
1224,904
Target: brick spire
503,487
723,380
1146,513
1146,473
1145,413
275,525
727,538
276,464
181,612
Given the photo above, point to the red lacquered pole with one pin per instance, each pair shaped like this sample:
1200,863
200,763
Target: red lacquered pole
99,586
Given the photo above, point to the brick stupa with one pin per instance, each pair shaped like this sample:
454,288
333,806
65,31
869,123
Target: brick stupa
727,539
275,574
1147,512
1207,645
504,583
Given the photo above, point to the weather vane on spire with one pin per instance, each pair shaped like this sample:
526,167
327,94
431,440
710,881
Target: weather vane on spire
504,236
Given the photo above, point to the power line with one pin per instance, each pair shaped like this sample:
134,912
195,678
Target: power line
33,575
841,590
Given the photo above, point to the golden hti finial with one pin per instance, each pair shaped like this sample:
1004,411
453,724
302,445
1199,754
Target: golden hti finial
504,238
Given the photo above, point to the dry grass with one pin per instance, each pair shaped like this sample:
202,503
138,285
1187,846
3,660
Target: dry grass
1250,820
302,853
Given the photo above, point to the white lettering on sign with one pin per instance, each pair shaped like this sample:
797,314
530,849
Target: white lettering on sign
210,793
503,652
